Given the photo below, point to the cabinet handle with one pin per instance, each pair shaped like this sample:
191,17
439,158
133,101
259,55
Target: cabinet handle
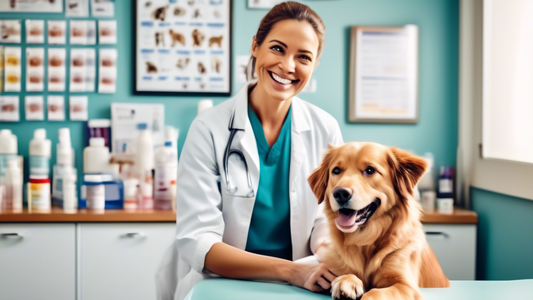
10,234
134,234
437,233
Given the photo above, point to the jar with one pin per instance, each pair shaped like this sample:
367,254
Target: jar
39,194
95,190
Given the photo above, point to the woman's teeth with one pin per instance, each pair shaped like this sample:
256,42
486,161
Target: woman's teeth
281,80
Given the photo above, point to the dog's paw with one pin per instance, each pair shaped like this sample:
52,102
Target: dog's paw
347,287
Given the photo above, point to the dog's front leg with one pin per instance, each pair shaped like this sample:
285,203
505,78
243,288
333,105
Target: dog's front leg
347,287
397,291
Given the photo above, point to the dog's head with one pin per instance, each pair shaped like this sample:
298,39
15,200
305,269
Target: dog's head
359,181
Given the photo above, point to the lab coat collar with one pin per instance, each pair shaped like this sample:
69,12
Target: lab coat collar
299,120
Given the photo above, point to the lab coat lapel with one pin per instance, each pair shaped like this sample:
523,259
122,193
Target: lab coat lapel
300,124
245,135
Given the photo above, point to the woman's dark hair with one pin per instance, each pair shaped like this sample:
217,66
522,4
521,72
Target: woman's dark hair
289,10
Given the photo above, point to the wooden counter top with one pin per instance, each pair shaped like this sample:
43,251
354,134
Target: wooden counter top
459,216
83,215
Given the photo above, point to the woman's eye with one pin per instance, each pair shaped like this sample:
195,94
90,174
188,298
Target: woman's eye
305,57
277,48
336,171
369,171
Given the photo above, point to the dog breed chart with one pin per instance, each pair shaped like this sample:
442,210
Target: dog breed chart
183,46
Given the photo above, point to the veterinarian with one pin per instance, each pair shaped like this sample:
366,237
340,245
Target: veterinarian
244,207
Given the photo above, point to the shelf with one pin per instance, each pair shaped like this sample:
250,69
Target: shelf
83,215
459,216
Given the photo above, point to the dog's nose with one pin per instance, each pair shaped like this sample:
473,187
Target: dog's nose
342,195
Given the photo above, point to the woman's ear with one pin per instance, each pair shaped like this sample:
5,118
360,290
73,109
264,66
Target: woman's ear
254,47
318,180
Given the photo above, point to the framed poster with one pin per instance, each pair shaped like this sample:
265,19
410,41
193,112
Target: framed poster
384,74
41,6
263,4
183,46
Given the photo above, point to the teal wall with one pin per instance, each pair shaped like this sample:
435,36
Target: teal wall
436,130
505,236
505,224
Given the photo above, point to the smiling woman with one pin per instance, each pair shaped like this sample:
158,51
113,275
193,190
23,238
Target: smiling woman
261,216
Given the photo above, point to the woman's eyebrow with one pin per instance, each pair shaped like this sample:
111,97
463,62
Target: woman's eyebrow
285,46
282,43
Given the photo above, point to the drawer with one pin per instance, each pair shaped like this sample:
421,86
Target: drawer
37,261
455,248
119,260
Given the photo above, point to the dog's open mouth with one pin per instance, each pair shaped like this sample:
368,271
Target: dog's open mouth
348,219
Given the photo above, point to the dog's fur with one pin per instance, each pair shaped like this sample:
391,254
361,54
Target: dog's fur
387,257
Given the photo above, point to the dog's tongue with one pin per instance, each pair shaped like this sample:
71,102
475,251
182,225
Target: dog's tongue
346,220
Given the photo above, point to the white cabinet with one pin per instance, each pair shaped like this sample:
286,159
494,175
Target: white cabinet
37,261
455,248
119,260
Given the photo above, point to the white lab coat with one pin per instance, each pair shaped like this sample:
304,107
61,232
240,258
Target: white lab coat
206,216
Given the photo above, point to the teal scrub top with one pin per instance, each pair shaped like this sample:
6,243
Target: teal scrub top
270,229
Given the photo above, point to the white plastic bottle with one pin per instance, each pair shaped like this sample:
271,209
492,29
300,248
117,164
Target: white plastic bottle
13,184
65,159
8,150
172,135
166,171
96,157
40,153
144,164
70,197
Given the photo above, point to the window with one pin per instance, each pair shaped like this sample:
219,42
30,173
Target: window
496,97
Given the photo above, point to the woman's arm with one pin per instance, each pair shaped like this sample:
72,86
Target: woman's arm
231,262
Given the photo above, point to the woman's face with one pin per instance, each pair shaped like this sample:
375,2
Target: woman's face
286,59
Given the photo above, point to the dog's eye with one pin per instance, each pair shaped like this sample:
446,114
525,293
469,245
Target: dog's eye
369,170
336,171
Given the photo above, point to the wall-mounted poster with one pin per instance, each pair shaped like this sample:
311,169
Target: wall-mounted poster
183,46
42,6
10,31
77,8
263,4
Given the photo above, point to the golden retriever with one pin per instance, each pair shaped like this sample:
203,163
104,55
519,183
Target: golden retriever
378,247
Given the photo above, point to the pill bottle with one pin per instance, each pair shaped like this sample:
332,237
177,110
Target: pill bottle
39,194
95,190
130,194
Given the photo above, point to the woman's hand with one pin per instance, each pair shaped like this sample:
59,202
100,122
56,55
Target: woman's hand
316,278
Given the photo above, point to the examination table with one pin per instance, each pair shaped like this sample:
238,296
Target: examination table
228,289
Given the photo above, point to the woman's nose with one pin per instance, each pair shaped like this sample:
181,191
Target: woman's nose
288,65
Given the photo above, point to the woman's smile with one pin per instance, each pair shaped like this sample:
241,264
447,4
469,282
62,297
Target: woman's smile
282,81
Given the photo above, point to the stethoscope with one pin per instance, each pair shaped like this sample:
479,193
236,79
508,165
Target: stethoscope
232,191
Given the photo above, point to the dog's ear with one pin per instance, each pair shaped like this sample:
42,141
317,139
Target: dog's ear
318,180
407,169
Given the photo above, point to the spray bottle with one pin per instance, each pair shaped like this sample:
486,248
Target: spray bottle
65,159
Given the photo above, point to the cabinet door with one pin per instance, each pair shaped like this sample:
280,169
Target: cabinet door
37,261
119,260
455,248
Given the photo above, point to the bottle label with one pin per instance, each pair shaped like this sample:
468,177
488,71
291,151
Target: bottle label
445,186
40,196
39,165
